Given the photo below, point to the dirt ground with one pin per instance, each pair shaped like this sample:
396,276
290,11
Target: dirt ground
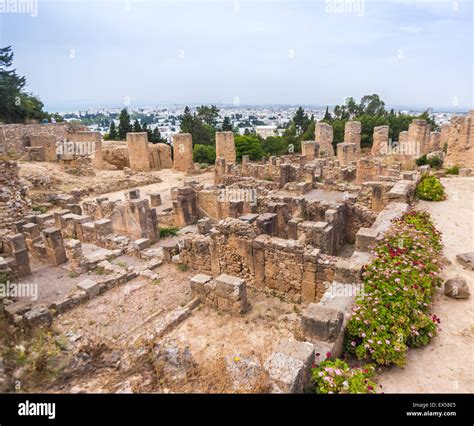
446,365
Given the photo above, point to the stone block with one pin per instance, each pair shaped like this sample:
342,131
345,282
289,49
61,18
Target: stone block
321,323
142,244
365,237
91,287
155,199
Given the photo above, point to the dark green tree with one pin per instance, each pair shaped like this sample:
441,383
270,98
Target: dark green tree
124,124
136,126
227,125
113,135
16,106
208,114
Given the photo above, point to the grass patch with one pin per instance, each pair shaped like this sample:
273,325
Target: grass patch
454,170
168,231
182,267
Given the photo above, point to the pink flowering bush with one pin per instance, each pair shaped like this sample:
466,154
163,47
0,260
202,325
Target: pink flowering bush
337,377
393,314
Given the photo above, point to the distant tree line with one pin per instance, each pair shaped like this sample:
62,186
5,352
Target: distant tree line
370,111
125,126
16,104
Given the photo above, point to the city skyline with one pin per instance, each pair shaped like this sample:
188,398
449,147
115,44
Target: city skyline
139,53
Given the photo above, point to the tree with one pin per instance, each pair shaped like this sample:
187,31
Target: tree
372,105
301,121
208,114
113,135
248,145
16,106
327,116
156,136
202,133
136,126
204,154
227,125
124,124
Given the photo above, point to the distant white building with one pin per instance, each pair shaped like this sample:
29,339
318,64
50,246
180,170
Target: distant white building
265,131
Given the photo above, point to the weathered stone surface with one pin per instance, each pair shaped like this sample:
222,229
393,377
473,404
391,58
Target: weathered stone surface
466,260
456,288
321,323
92,288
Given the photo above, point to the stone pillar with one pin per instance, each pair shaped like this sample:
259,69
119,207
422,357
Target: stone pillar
380,144
434,145
324,137
185,207
310,150
346,152
461,141
418,138
225,146
183,152
245,166
138,152
20,254
53,241
352,132
219,171
366,171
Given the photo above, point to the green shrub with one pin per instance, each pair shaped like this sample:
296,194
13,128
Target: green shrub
393,314
435,162
337,377
204,154
454,170
430,189
422,161
167,231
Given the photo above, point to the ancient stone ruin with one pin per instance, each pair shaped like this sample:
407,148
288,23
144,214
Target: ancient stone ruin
232,242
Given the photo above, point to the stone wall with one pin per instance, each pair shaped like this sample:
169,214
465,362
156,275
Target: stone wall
14,138
225,146
380,140
324,137
461,141
138,152
183,152
352,133
14,202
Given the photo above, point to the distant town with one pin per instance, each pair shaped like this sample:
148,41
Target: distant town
263,120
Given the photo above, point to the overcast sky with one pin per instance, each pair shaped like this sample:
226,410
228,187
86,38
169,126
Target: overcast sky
97,53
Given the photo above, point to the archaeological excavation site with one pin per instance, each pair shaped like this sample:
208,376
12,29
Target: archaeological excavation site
126,267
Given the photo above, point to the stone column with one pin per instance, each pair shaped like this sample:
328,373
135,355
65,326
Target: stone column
324,137
138,152
20,254
183,152
434,145
225,146
346,152
352,132
418,138
461,141
53,241
381,140
245,166
310,150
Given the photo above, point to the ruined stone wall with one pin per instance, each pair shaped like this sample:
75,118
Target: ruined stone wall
183,152
138,151
14,202
160,156
357,217
352,133
116,156
461,141
381,140
324,137
418,138
15,137
271,264
225,146
92,145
